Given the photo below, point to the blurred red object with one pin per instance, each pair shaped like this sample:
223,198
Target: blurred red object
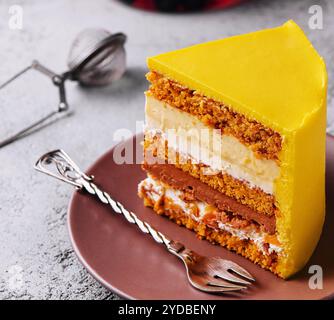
181,5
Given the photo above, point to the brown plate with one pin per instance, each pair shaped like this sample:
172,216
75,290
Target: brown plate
134,266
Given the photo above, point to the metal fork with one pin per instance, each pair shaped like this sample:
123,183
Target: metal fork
209,274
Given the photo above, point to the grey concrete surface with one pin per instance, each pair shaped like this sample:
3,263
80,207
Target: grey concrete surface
36,258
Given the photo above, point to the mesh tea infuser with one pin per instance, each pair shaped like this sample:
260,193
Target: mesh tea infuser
96,58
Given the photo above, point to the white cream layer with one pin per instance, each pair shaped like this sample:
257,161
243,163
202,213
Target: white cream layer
221,153
155,190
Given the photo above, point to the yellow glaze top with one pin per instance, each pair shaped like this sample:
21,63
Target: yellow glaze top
274,75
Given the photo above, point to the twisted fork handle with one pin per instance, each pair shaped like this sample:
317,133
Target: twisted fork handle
66,170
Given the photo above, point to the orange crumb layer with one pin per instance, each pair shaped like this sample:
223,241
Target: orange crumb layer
265,142
254,198
245,248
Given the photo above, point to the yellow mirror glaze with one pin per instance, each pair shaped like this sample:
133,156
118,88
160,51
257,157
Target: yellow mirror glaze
276,77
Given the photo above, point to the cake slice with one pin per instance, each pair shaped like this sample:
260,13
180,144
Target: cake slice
235,144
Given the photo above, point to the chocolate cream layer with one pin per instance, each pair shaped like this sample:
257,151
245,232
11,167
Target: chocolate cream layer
210,222
179,180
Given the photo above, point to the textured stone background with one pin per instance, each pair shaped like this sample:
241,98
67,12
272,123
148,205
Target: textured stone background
36,258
